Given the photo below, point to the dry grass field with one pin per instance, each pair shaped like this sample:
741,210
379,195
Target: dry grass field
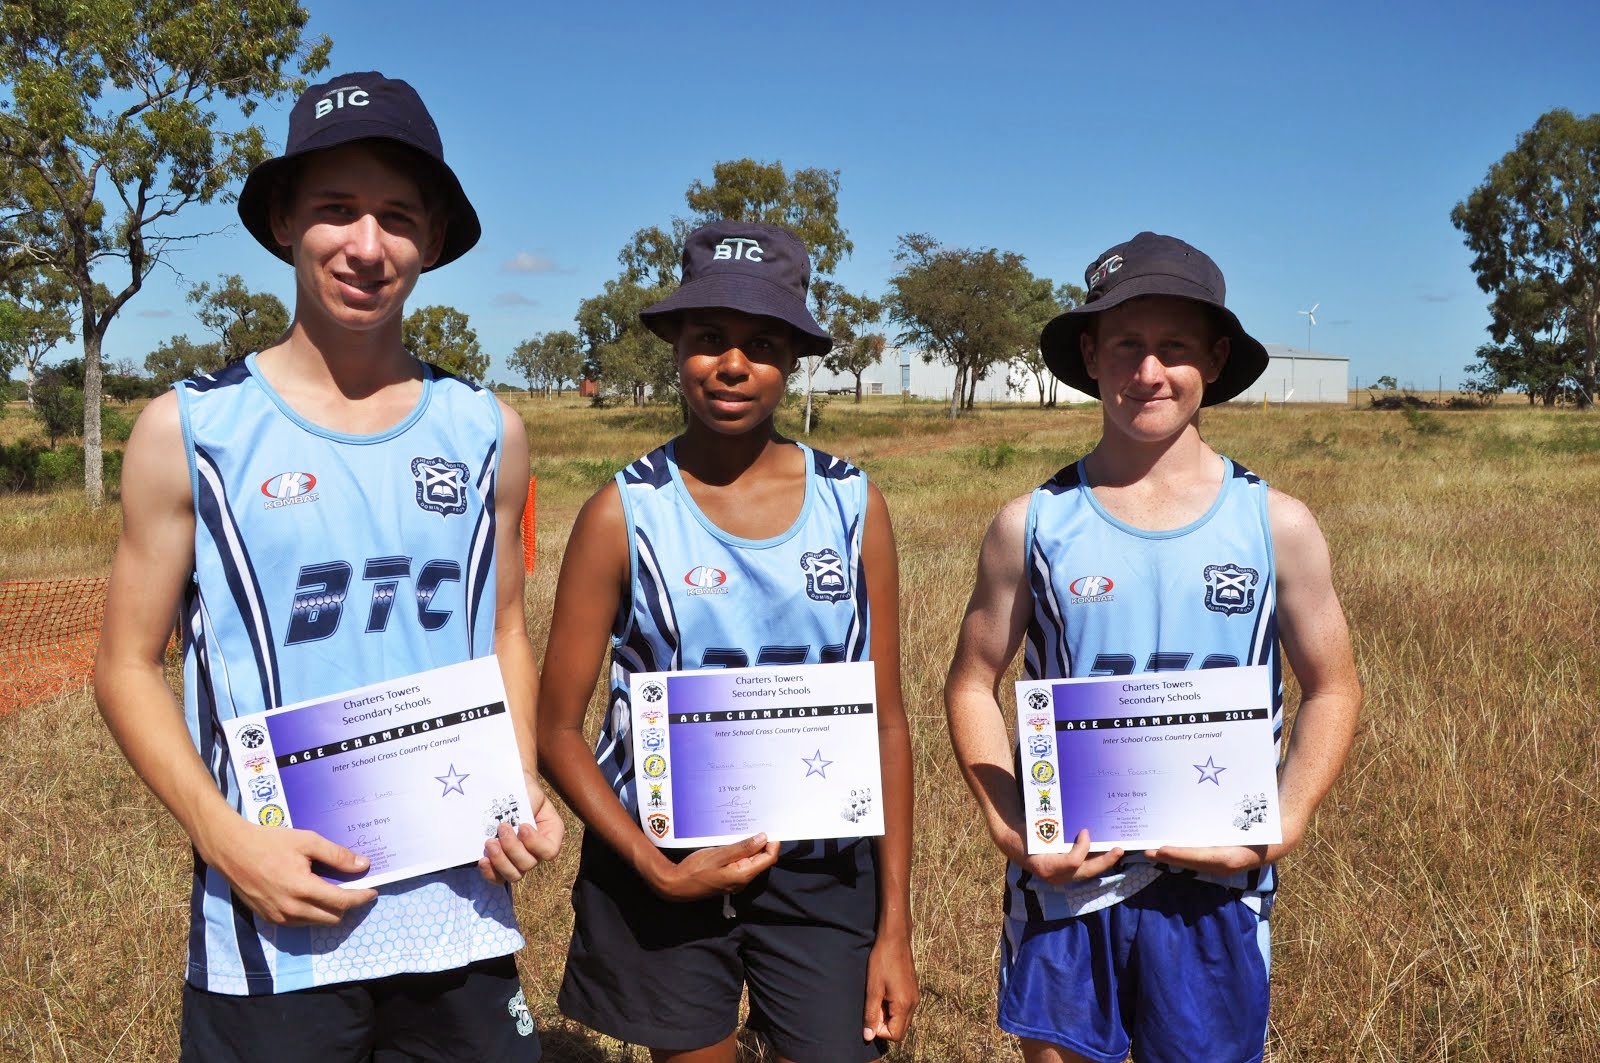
1445,907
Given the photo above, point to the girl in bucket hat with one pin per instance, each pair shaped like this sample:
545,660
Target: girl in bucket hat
730,546
1150,553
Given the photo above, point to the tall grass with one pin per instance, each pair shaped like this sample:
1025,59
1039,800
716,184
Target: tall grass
1444,907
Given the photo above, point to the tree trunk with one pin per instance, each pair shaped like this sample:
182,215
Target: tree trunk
93,479
972,387
858,389
956,390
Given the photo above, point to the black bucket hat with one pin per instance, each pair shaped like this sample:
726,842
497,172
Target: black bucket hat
360,106
1152,264
755,269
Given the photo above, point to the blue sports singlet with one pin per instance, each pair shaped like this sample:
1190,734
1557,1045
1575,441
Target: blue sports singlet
326,561
702,598
1111,599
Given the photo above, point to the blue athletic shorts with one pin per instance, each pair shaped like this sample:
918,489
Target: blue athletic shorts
669,975
1177,973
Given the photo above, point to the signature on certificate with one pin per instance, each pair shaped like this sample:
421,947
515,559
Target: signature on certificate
736,801
353,802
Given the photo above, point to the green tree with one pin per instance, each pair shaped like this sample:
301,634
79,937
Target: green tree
124,382
1543,369
627,361
243,321
58,403
856,357
180,358
113,128
845,315
805,201
1533,227
441,335
1042,303
549,360
966,308
38,315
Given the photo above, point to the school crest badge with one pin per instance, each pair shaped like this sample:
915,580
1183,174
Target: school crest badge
1047,830
826,579
658,824
441,485
1231,588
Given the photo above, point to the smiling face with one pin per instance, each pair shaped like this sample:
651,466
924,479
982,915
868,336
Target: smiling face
1153,358
359,232
733,367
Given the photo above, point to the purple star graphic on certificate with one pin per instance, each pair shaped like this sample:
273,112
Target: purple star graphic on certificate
1210,771
815,765
452,781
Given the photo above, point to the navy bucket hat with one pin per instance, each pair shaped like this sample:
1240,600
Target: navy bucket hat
1152,264
361,106
755,269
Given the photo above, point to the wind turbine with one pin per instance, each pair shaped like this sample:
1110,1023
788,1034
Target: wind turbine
1311,319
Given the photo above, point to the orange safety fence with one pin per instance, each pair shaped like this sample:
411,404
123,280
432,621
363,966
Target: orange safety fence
527,526
49,630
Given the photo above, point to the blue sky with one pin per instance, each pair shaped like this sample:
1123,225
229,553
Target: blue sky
1315,151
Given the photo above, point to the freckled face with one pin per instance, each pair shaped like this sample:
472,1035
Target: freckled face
733,368
1153,358
359,234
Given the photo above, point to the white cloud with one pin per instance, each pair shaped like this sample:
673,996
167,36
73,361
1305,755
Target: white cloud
513,299
526,262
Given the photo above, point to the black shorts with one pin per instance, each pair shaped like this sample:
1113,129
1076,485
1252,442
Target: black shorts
471,1014
668,975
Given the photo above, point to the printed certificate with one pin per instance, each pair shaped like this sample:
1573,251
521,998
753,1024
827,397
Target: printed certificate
414,774
725,753
1161,758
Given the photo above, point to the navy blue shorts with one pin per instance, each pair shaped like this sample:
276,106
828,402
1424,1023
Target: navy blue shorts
669,975
471,1014
1177,973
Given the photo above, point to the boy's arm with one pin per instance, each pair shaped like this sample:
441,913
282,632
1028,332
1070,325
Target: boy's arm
513,853
268,867
995,621
891,973
594,573
1316,642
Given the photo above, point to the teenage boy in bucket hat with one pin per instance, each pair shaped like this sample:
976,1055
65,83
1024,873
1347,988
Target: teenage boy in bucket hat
262,506
663,940
1163,951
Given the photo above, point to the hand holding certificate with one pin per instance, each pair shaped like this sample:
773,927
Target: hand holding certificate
725,753
1142,761
414,774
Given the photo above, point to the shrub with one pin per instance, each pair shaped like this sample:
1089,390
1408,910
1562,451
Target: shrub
115,425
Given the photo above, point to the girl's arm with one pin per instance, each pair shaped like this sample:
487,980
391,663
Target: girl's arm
594,576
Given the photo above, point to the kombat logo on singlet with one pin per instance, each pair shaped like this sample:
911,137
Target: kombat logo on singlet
1088,590
289,489
441,485
703,579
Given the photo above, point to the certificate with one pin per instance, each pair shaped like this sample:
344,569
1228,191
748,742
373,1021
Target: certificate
1141,761
414,774
725,753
